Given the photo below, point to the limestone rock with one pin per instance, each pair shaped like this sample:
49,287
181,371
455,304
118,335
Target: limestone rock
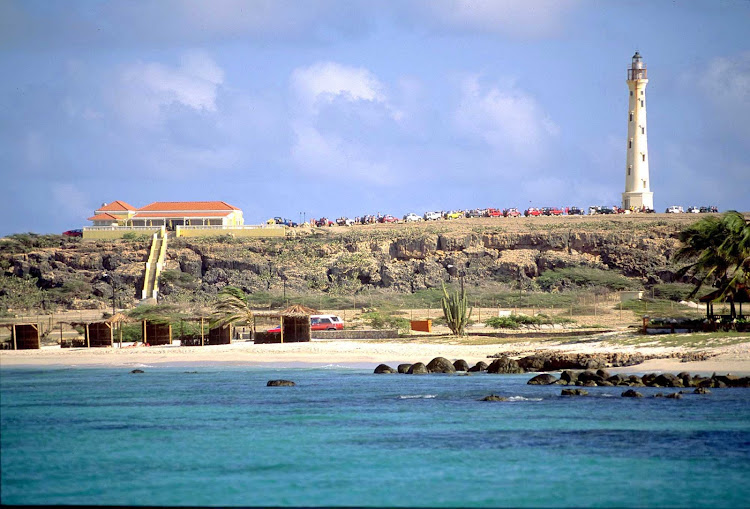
384,369
417,369
280,383
440,365
543,379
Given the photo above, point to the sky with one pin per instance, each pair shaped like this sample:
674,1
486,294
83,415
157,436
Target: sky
332,108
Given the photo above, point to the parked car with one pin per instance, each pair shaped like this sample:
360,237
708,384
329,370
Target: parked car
323,221
693,210
344,221
433,216
475,213
320,322
494,213
674,209
454,214
532,211
511,212
388,219
706,210
575,211
73,233
411,217
552,211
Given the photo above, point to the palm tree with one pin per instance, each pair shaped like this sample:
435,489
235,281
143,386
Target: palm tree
719,251
233,307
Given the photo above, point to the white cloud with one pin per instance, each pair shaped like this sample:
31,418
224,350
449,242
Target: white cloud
325,81
506,118
350,92
725,81
531,18
36,149
146,88
331,156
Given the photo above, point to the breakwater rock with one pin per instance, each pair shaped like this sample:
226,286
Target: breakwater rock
601,378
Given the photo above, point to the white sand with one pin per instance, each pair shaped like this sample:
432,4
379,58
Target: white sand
733,359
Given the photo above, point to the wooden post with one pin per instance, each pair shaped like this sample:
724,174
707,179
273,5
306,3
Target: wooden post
281,328
61,335
119,327
202,331
13,335
88,337
143,329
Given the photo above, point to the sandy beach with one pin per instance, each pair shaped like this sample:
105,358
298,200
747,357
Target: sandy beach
732,358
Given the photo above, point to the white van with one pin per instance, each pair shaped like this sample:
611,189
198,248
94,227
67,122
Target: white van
326,322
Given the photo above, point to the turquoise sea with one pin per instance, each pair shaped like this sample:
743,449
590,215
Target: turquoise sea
215,435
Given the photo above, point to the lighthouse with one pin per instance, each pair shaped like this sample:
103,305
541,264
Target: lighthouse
637,182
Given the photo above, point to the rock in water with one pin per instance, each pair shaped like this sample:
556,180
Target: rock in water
504,365
543,379
403,368
630,393
440,365
493,397
384,369
461,365
417,369
478,367
574,392
280,383
137,371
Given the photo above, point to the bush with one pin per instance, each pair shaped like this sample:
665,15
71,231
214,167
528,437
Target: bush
515,321
673,291
584,277
380,320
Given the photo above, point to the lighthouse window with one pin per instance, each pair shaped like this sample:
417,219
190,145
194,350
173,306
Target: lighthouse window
641,92
631,117
644,157
641,102
631,93
644,184
630,168
630,143
643,130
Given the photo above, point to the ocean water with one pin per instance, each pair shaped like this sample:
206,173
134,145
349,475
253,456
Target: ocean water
215,435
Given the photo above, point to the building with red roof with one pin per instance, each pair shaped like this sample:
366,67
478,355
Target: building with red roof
169,214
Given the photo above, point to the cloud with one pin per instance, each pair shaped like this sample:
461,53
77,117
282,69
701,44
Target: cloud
725,83
528,19
70,203
506,118
341,111
324,82
146,89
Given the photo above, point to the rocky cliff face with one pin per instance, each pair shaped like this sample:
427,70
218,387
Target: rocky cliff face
399,258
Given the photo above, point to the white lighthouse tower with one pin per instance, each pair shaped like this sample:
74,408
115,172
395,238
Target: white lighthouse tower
637,182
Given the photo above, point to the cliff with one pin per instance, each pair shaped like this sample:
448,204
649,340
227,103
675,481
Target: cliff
341,260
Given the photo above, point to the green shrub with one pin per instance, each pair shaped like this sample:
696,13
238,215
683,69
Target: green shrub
381,320
672,291
515,321
584,277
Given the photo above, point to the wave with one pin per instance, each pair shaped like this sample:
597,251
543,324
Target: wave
417,396
521,398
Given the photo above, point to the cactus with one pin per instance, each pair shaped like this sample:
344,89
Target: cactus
454,310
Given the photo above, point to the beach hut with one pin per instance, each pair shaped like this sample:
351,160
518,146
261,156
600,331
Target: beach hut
293,325
742,295
156,333
23,336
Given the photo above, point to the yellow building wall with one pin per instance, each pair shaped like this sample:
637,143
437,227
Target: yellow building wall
255,232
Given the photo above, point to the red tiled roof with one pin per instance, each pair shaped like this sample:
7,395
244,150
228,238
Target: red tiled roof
191,206
116,206
141,215
103,217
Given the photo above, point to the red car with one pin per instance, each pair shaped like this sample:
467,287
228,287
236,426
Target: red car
73,233
323,221
494,213
388,219
532,211
511,212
